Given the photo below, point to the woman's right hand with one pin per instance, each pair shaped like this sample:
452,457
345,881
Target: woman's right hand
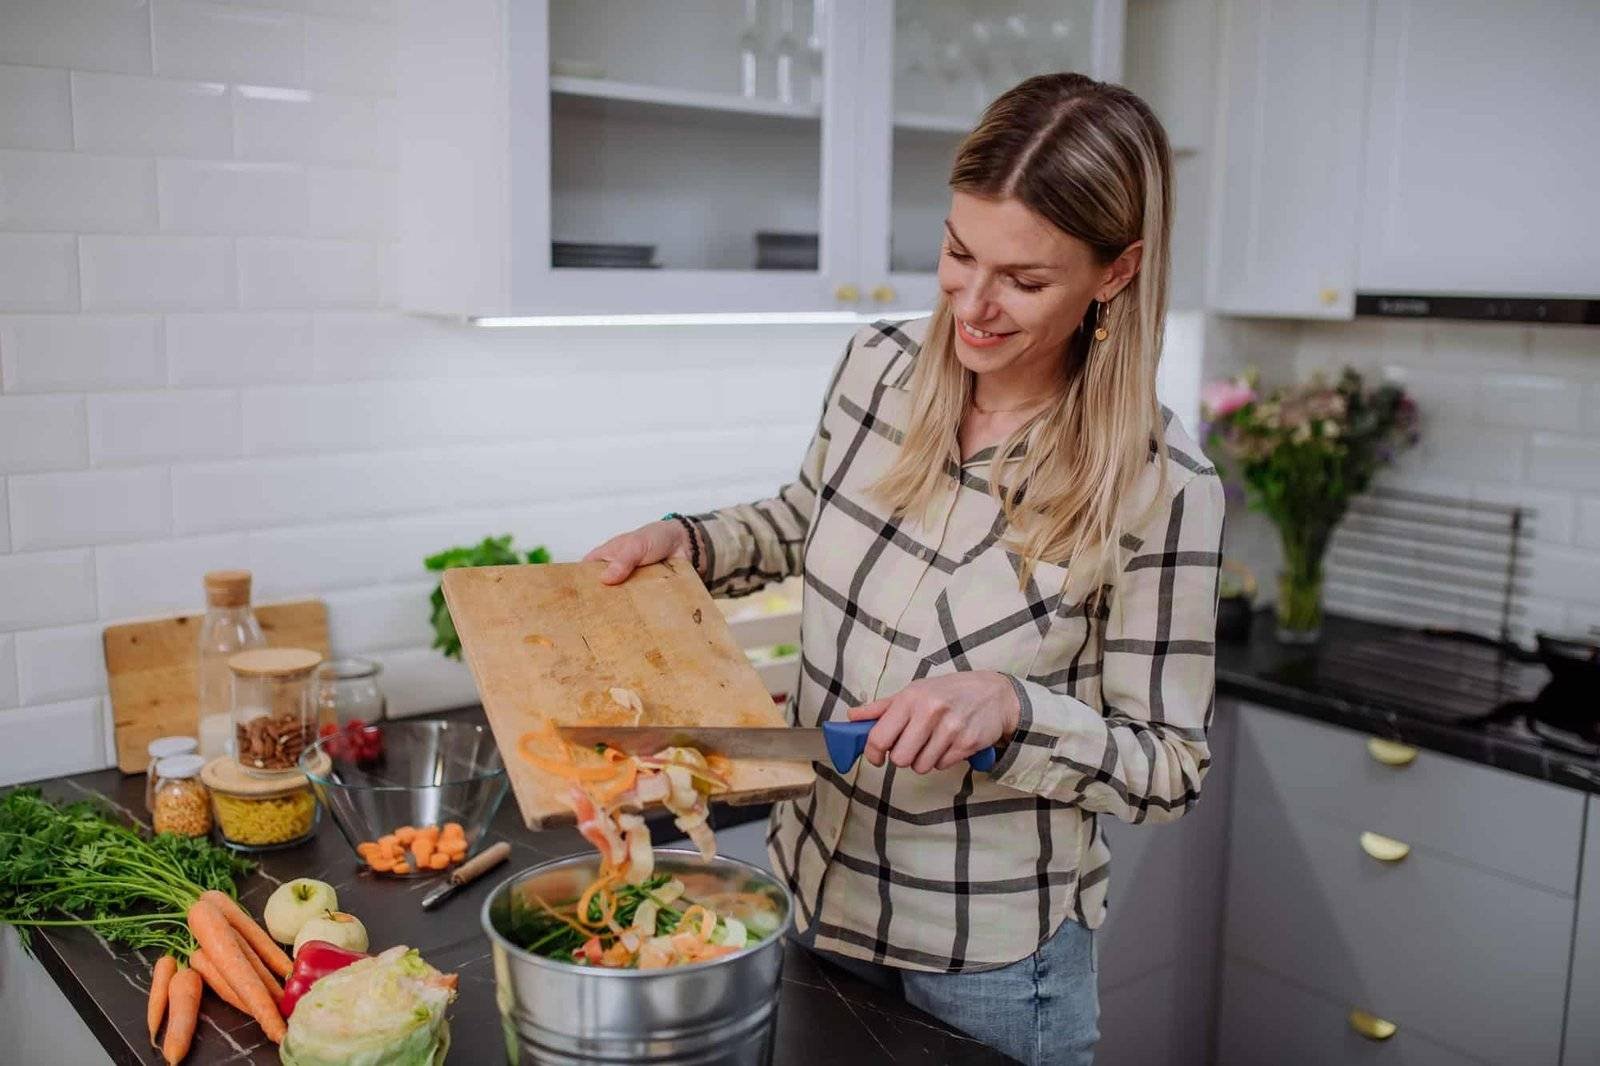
648,544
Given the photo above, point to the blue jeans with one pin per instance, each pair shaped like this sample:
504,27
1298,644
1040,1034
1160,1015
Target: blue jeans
1044,1009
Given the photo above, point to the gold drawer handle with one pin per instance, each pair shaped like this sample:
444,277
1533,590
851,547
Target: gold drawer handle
847,293
1371,1026
883,293
1391,752
1384,849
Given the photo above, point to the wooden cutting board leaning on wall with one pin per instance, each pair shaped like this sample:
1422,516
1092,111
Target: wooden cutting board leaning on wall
153,671
547,642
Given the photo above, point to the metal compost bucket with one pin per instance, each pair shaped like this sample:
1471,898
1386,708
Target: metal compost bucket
716,1013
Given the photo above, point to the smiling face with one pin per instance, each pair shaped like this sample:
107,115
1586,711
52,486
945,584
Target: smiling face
1018,286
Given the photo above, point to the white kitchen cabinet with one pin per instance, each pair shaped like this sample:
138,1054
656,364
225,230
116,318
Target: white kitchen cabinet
686,130
1481,149
1582,1039
1292,91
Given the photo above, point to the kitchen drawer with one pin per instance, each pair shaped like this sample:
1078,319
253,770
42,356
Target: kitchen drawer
1522,827
1267,1021
1471,958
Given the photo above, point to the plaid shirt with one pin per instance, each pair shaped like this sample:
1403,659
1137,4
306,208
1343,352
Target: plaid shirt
956,870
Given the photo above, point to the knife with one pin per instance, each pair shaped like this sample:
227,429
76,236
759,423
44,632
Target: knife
466,873
841,743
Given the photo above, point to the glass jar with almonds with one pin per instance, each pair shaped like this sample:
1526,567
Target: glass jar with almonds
274,711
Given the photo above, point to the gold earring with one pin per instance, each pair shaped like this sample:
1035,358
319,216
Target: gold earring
1100,332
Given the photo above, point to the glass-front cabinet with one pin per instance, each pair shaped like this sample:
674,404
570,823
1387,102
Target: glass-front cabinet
602,157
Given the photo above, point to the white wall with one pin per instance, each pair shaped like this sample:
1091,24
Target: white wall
1510,414
197,367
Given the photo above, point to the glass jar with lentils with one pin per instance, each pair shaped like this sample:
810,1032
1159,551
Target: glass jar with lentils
274,712
181,805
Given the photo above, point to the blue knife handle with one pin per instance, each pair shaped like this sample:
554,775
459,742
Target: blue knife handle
847,740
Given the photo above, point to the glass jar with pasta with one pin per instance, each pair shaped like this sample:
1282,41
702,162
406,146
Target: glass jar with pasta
257,814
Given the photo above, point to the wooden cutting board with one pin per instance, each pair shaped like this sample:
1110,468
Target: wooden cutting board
547,642
152,670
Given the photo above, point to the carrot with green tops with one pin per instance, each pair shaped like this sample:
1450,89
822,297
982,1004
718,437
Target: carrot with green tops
183,1013
210,927
160,979
202,963
258,938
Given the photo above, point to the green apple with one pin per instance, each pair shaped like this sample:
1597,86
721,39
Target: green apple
337,928
295,903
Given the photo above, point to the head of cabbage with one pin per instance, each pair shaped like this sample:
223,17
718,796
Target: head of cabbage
388,1010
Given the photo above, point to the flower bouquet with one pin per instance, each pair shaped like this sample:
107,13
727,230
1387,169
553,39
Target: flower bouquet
1303,452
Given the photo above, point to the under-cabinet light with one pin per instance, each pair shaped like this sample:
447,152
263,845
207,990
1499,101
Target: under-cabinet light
729,318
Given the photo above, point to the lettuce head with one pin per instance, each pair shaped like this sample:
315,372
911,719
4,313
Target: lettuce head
388,1010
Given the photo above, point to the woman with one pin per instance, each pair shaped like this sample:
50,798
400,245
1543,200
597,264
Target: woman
1005,540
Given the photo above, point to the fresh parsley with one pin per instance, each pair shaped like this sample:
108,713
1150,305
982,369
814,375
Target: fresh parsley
492,551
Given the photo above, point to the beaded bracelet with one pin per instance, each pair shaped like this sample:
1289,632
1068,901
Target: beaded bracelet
694,541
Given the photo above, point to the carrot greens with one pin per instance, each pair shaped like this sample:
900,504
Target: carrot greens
75,864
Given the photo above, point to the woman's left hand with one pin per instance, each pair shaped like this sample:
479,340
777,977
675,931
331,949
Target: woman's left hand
936,722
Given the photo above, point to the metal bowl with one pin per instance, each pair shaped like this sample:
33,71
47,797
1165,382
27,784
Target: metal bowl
716,1013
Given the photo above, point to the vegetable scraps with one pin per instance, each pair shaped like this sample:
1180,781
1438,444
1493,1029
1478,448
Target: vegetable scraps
629,916
491,551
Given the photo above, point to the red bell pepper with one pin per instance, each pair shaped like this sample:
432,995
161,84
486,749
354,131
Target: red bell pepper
316,959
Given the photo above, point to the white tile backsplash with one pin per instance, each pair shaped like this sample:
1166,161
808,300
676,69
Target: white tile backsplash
353,203
420,680
315,127
5,519
151,116
8,671
136,428
78,34
1510,415
390,617
88,507
293,562
177,273
161,577
201,40
66,191
348,56
286,272
208,197
35,108
248,348
1565,462
52,739
38,272
40,433
60,663
40,589
74,353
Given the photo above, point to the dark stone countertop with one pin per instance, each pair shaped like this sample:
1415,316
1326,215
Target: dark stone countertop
1283,677
824,1014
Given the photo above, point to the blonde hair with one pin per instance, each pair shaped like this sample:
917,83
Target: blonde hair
1091,159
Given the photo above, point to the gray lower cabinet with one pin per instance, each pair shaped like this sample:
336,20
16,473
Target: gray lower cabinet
1159,945
1583,997
1464,944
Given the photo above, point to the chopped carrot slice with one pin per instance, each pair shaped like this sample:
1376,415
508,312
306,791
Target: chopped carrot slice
402,868
405,834
381,863
366,848
453,829
438,861
423,850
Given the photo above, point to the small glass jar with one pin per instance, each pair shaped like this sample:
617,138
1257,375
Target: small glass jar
257,814
181,805
158,749
274,715
347,693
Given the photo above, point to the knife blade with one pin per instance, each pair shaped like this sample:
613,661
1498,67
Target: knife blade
840,743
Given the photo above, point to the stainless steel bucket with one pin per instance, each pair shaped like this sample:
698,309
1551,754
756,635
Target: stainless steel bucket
717,1013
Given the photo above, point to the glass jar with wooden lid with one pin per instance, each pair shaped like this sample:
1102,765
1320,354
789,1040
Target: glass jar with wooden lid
255,813
274,712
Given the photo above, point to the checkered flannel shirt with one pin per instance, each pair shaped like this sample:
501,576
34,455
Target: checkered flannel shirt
956,870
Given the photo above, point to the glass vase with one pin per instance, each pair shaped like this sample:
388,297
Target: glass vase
1300,586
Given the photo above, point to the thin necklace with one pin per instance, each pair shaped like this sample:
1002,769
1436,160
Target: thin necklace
1008,410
